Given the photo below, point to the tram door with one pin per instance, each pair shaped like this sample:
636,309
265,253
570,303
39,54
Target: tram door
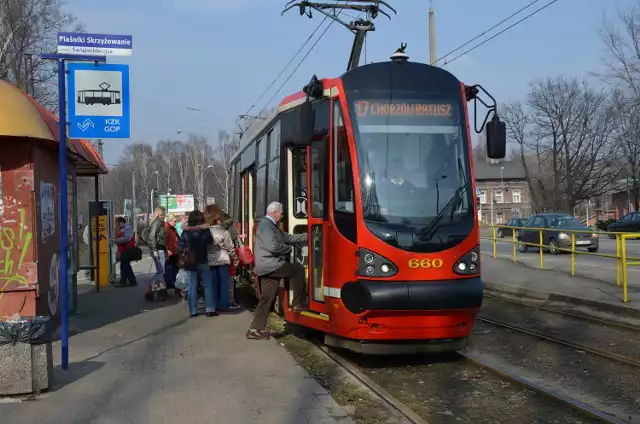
247,208
297,205
318,181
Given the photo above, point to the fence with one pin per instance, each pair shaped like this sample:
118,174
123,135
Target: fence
623,261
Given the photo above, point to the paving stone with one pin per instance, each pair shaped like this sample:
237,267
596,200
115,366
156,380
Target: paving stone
157,367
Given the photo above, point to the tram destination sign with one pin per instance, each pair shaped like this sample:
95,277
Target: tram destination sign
99,104
85,44
404,112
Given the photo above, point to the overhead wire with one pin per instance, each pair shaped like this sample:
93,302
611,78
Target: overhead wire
297,66
500,32
286,66
488,30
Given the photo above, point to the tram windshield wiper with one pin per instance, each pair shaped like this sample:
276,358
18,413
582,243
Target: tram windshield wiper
428,232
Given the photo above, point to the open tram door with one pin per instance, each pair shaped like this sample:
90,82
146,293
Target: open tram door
307,192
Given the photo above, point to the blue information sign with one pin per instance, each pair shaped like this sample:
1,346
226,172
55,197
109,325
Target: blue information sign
98,101
80,43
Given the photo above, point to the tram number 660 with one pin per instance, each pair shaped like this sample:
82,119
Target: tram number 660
425,263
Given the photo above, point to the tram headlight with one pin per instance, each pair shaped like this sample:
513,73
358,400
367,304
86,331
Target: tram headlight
372,264
469,263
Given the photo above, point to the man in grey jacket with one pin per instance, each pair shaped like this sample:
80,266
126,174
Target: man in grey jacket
272,248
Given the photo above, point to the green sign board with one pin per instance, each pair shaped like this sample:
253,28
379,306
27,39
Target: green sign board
177,202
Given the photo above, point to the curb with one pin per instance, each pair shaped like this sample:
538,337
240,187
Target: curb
560,297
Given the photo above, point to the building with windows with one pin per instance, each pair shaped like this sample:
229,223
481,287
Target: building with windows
502,190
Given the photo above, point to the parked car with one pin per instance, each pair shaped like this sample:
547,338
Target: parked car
630,223
513,222
556,233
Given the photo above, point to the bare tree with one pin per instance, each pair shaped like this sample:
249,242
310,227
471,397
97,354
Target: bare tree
627,138
573,123
199,153
27,29
518,125
621,60
221,169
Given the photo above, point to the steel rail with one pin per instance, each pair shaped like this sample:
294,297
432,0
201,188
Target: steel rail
603,353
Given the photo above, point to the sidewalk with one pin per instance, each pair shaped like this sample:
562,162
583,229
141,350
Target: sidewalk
132,361
503,275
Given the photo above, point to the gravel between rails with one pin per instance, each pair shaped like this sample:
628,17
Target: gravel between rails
448,389
609,338
604,384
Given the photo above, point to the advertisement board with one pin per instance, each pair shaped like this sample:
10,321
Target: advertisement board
177,202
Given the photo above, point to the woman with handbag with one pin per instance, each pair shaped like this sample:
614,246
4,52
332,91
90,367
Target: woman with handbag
193,246
221,254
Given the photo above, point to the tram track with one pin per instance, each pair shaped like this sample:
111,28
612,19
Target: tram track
475,360
584,317
595,351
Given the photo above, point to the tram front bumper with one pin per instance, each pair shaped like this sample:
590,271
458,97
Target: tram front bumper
371,295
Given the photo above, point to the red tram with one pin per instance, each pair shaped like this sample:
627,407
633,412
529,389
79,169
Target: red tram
376,166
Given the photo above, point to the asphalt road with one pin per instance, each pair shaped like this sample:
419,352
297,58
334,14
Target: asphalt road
602,268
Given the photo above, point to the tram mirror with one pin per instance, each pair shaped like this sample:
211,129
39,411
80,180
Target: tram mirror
306,123
496,132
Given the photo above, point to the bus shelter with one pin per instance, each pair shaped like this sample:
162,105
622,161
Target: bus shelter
30,206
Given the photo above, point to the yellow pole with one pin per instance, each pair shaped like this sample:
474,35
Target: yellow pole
541,254
573,253
618,260
495,253
513,238
625,297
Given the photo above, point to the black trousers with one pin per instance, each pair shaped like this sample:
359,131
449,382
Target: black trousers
269,285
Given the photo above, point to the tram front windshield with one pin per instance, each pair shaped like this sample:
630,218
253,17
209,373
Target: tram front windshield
414,171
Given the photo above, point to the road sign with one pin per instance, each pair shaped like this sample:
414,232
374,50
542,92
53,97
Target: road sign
98,97
94,44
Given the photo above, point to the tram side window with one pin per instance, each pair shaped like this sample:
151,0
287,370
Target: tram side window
343,171
273,181
262,151
237,213
261,191
274,142
273,169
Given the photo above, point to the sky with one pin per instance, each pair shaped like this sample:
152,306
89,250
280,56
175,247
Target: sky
218,57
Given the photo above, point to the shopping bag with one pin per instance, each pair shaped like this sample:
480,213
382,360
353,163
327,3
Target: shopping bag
182,280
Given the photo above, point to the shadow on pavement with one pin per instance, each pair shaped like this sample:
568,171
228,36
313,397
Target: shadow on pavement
112,304
76,371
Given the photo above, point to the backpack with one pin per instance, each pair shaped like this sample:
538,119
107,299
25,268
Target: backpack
144,236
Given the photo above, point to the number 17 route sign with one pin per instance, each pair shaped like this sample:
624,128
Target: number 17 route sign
98,101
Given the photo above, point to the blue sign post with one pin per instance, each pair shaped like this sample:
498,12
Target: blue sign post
98,101
88,48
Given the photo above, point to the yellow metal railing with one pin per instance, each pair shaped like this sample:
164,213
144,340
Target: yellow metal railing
621,258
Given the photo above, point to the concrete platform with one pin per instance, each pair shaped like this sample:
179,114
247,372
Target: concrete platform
138,362
520,279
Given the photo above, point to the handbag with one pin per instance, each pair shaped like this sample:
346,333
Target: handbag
186,256
244,254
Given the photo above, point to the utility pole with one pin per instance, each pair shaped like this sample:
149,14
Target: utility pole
432,35
134,220
102,156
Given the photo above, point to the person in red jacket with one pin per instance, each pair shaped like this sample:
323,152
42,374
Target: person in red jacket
171,268
125,242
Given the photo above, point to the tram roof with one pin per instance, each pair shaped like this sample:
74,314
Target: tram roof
22,117
289,102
